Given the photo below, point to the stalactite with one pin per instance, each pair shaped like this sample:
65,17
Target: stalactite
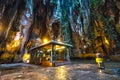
78,21
10,25
26,22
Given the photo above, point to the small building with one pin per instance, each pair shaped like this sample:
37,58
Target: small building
52,53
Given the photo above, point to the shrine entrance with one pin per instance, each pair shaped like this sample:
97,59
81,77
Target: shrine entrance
52,53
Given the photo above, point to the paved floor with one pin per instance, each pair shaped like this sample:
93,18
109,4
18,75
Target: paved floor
77,70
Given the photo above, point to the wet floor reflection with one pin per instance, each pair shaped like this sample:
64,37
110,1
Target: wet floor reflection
61,73
100,71
76,71
101,74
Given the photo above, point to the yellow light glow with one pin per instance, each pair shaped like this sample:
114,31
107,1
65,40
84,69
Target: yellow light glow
106,41
26,58
48,50
100,71
61,73
63,47
59,47
15,43
45,41
59,40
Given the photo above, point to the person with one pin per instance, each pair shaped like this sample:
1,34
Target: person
99,60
